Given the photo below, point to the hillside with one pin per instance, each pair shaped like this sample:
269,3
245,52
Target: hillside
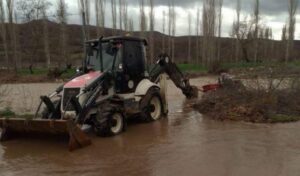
31,45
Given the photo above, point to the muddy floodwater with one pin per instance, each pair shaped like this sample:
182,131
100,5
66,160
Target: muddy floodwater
184,143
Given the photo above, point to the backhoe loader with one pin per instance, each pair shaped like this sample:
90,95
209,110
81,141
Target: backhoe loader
114,83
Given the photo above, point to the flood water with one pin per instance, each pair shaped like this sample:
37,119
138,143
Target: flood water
185,143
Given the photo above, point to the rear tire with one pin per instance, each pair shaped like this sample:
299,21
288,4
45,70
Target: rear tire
151,106
110,121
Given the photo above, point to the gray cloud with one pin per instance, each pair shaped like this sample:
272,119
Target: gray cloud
268,7
273,12
180,3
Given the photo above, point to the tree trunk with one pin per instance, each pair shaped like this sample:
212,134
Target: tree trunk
245,53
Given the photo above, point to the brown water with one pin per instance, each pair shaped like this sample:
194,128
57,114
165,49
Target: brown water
185,143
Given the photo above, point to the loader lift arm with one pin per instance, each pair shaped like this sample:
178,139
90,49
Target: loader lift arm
165,65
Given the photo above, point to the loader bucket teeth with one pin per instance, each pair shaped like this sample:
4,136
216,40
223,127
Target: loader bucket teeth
12,128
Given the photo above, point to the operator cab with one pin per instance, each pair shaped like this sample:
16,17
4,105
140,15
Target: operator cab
123,57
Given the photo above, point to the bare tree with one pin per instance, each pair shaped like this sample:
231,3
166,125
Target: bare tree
125,15
100,16
87,16
16,42
143,19
189,36
3,33
114,15
256,29
267,37
273,54
102,10
120,15
46,37
209,31
30,10
284,38
12,32
164,31
81,7
169,27
130,25
173,29
284,33
152,23
237,26
293,5
61,14
220,6
243,31
198,48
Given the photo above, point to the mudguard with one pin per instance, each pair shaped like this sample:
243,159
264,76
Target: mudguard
144,86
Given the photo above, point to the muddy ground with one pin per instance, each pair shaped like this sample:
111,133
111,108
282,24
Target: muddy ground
184,143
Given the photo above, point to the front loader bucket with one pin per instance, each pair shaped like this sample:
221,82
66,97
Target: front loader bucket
14,127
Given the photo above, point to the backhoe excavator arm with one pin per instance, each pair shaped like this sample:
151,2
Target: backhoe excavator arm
165,65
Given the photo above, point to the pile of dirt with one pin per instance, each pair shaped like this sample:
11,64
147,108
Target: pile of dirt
236,102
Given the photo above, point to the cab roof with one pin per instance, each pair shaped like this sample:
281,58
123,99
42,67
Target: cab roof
120,38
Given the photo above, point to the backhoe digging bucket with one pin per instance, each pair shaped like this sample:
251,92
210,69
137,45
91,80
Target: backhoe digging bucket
14,127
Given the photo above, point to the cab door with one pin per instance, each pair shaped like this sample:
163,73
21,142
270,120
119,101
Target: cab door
133,67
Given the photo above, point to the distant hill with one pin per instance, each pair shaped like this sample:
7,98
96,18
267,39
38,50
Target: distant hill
31,44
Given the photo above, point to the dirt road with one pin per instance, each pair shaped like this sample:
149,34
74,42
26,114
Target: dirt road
185,143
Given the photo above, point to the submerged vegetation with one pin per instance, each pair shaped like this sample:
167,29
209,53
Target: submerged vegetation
260,100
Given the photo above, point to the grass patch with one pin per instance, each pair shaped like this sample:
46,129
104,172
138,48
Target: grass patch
294,64
241,65
43,74
245,65
280,118
68,74
182,67
192,68
43,71
25,116
36,71
7,112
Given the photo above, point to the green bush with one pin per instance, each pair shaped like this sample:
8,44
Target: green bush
7,112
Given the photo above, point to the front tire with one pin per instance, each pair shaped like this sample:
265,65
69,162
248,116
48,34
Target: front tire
110,121
151,106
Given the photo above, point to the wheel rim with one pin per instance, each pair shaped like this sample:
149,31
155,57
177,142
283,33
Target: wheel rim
117,124
156,113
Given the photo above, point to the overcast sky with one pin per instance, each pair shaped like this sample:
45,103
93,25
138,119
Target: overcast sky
273,14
